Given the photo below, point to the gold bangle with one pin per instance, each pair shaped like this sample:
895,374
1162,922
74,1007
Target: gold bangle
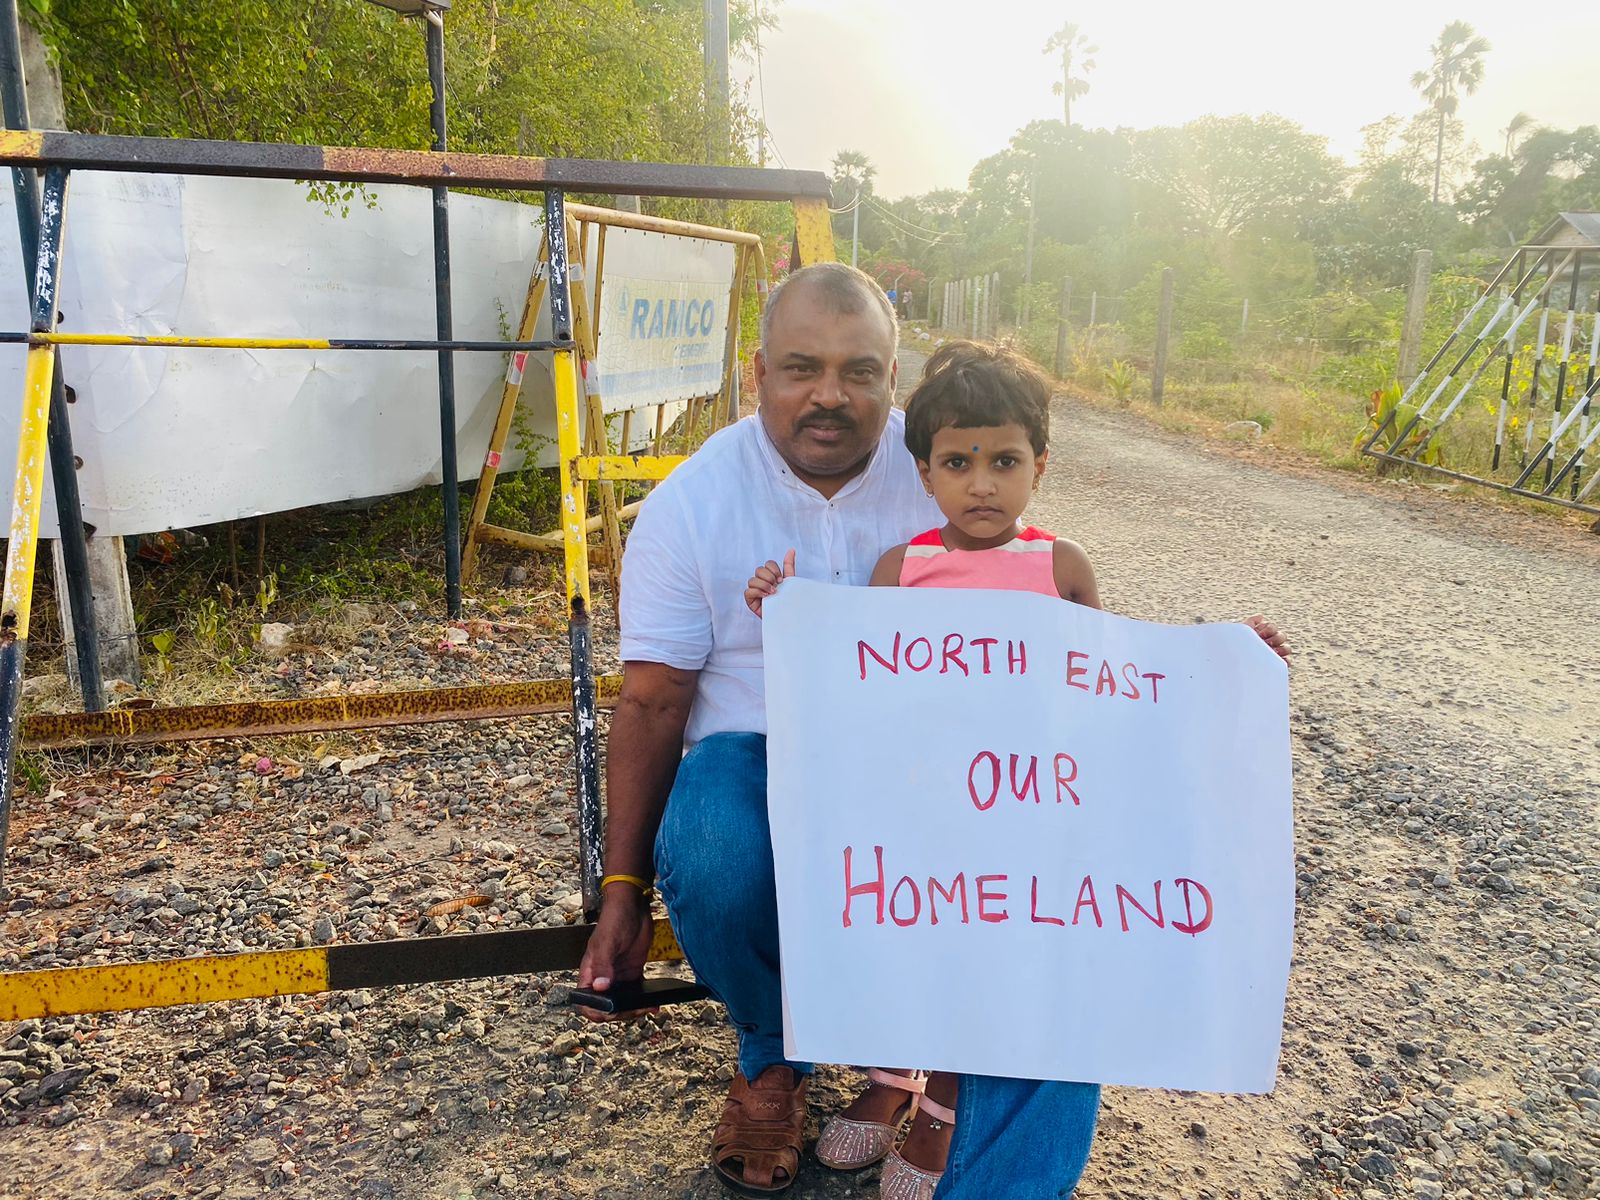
642,884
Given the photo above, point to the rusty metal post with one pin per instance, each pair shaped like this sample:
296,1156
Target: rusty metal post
450,485
63,461
27,495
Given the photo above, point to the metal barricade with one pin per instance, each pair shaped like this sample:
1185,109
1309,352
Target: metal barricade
198,980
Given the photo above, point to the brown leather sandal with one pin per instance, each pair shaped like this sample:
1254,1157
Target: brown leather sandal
756,1148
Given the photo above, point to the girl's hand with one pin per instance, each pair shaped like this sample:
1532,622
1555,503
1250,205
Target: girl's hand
765,581
1269,634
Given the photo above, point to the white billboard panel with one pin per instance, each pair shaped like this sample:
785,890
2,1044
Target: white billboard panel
182,437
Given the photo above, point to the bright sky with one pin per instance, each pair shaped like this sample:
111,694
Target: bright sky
925,88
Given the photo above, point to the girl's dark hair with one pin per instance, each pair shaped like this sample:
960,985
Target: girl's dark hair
968,385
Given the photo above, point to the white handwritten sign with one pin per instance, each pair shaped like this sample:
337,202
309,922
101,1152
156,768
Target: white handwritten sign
1019,837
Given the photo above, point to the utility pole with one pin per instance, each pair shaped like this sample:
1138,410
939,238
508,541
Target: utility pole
855,226
1026,309
716,81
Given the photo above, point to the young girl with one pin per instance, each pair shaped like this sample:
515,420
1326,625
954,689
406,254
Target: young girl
978,425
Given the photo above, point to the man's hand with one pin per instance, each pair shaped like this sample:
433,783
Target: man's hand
1269,634
766,580
618,947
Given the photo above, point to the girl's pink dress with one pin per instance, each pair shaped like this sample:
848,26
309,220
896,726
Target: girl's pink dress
1024,564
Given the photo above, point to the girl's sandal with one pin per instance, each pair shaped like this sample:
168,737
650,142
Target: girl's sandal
850,1145
901,1180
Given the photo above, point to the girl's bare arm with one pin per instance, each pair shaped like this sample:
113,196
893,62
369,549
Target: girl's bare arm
1075,574
887,572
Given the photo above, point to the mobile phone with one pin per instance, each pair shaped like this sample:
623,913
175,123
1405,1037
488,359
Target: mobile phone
638,993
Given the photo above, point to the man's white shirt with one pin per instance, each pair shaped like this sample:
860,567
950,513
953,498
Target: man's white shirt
703,531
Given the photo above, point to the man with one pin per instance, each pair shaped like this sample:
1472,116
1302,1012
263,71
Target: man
821,469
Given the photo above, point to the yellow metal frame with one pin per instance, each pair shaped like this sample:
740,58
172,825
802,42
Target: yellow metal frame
161,984
583,440
27,496
166,983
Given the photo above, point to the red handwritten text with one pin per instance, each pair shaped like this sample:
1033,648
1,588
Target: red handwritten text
902,901
1110,681
951,654
984,775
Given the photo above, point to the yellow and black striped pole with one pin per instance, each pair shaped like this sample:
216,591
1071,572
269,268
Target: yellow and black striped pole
168,983
575,536
28,490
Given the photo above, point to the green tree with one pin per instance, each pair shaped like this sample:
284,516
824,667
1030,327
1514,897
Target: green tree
1077,60
853,172
1457,67
1518,125
1216,176
604,79
852,186
1367,240
1553,170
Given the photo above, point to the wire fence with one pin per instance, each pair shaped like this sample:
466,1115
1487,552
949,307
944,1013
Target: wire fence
1346,340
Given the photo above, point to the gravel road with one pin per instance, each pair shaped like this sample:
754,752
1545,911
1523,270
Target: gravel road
1440,1034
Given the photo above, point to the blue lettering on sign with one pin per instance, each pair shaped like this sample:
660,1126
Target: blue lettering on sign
672,319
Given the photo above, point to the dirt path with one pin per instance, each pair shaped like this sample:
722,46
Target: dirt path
1440,1035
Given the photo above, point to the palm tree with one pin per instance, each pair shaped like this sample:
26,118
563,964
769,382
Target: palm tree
1076,55
856,167
1457,64
1518,124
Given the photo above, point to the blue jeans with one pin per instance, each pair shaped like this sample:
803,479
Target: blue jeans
1019,1138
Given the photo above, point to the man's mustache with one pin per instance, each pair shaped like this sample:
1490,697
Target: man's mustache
827,422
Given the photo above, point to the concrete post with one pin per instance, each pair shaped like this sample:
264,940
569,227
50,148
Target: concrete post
1063,316
113,610
1158,376
1416,310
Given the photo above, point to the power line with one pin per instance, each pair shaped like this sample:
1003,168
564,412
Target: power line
761,84
915,231
892,215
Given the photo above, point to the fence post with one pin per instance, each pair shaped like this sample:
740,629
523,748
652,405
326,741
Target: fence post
1244,317
1416,309
1063,316
1094,305
994,304
1158,376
